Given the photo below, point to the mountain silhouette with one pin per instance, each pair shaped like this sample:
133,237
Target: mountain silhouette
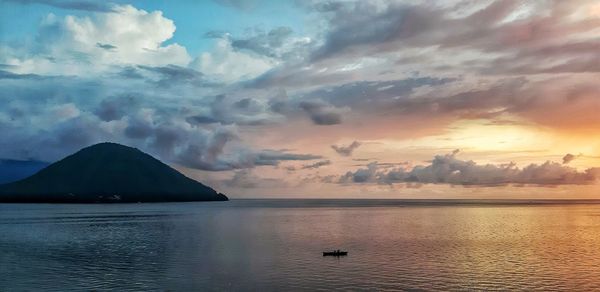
108,172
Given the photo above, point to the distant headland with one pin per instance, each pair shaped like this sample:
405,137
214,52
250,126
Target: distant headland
107,173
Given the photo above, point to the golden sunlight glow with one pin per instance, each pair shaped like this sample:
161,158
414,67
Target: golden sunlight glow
488,142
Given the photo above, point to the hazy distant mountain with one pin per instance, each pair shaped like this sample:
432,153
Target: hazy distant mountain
13,170
108,172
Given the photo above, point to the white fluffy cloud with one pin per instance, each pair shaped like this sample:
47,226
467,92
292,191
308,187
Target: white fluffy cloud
225,64
73,45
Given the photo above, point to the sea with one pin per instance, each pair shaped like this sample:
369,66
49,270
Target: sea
277,245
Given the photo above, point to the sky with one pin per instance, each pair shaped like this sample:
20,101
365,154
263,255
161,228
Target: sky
314,99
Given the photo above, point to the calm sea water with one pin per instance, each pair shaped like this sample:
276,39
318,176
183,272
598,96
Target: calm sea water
276,245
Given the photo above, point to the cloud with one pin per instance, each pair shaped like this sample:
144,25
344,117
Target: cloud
199,119
359,28
278,43
568,158
206,153
353,24
361,175
264,43
69,113
137,129
346,150
415,64
114,108
362,94
224,64
65,111
170,75
10,75
317,164
322,113
208,156
229,110
207,149
89,44
246,179
375,69
273,157
447,169
130,72
106,46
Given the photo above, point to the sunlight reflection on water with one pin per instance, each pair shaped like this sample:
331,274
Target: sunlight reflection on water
274,245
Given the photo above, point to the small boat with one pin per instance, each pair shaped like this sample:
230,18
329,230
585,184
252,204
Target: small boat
335,253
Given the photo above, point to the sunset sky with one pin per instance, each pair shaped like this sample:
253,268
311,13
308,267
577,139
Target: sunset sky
335,99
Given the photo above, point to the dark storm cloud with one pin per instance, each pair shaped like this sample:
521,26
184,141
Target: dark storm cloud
447,169
94,6
346,150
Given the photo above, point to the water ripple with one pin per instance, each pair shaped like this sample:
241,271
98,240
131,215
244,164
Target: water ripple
186,247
